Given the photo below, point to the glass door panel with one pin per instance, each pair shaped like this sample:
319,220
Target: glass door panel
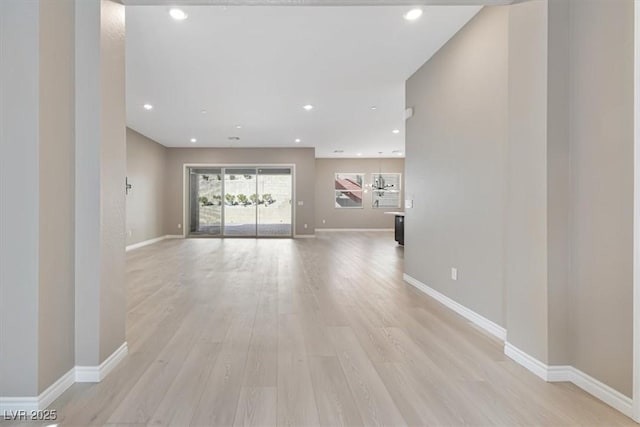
239,204
274,201
205,201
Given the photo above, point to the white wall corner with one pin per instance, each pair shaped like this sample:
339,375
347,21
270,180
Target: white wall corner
484,323
95,374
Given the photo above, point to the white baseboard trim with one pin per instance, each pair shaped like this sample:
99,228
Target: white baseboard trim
95,374
11,405
79,374
56,389
484,323
145,243
564,373
152,241
304,236
354,229
598,389
553,373
531,363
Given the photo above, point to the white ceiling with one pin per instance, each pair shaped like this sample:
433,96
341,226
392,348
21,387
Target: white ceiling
257,66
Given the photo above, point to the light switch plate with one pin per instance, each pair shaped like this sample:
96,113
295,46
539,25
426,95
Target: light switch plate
408,204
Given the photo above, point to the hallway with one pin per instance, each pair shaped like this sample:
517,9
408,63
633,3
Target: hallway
307,332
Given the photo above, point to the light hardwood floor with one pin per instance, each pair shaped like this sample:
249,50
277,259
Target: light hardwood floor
307,332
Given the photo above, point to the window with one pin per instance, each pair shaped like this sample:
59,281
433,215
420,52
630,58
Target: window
349,190
385,188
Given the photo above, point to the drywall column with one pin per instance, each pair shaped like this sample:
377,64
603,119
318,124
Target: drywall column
601,100
56,192
559,183
526,213
100,179
37,193
19,98
569,250
539,180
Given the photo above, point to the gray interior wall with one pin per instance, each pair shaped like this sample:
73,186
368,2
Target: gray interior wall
87,182
327,216
19,183
38,150
100,172
569,199
455,166
113,169
146,170
526,209
302,158
559,196
602,83
57,198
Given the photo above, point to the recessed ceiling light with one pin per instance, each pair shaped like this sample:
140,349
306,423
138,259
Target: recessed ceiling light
396,131
373,107
147,107
413,14
194,140
359,154
298,140
178,14
203,111
308,107
238,126
234,138
397,152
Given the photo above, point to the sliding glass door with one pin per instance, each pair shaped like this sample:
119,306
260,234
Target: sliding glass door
240,216
241,201
275,201
205,202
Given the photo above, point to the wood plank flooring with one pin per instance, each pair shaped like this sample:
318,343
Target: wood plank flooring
307,332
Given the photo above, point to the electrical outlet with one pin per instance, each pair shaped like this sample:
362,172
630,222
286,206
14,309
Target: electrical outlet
454,273
300,202
305,226
179,225
324,221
